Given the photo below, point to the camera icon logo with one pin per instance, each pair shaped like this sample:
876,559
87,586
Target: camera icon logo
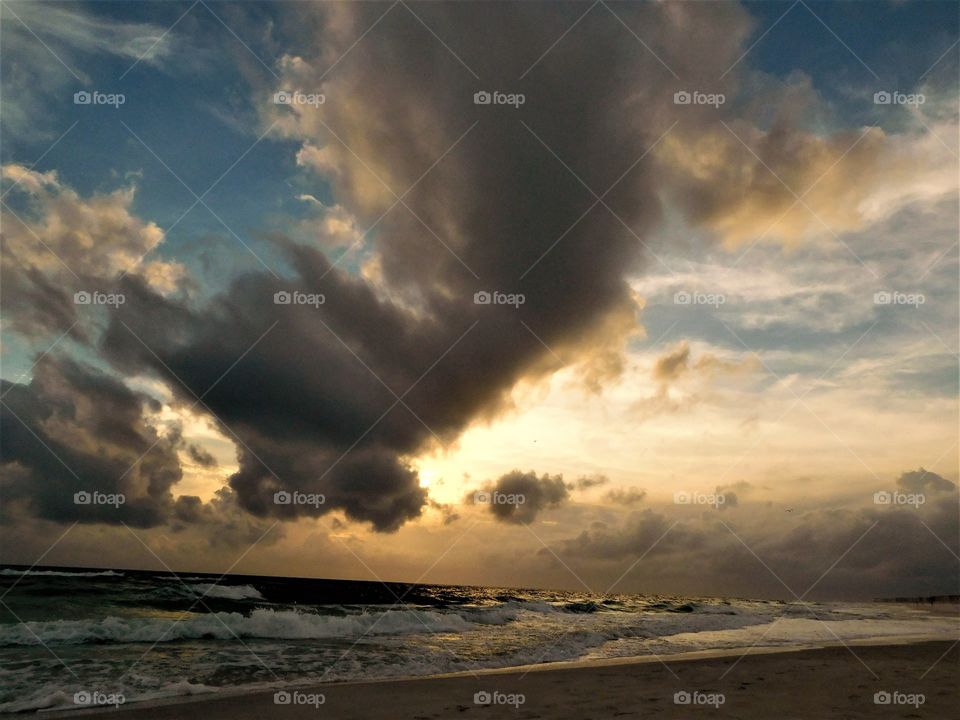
682,298
681,498
481,498
482,98
482,298
82,498
882,98
681,97
282,697
681,697
882,498
882,297
284,97
482,698
81,297
882,698
282,297
82,698
282,497
82,98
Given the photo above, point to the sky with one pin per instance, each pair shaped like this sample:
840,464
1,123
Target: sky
621,297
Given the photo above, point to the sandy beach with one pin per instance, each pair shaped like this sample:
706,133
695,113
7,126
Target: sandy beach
832,682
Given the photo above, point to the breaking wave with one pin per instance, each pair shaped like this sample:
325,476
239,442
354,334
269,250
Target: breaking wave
228,592
261,623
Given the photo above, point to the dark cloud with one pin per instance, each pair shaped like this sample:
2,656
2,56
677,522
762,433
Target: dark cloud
625,496
201,456
74,429
587,482
518,497
919,481
221,522
35,304
885,550
639,534
673,364
730,493
313,405
676,366
446,510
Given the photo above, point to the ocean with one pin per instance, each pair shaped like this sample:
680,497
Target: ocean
145,635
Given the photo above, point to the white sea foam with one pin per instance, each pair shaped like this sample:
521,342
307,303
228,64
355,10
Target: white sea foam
47,698
229,592
54,696
261,623
307,647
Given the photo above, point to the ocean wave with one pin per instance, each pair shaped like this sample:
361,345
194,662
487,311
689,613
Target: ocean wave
513,610
472,637
228,592
58,573
587,606
261,623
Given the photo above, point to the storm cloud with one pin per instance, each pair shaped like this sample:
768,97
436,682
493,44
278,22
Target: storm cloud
334,397
518,497
74,429
625,496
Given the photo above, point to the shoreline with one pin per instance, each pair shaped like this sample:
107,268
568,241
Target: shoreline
451,692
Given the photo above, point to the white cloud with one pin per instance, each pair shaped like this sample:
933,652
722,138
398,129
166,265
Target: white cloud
94,236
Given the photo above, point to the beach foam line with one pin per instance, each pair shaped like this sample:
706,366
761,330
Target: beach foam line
684,656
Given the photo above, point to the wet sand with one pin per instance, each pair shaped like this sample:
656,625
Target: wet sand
820,684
